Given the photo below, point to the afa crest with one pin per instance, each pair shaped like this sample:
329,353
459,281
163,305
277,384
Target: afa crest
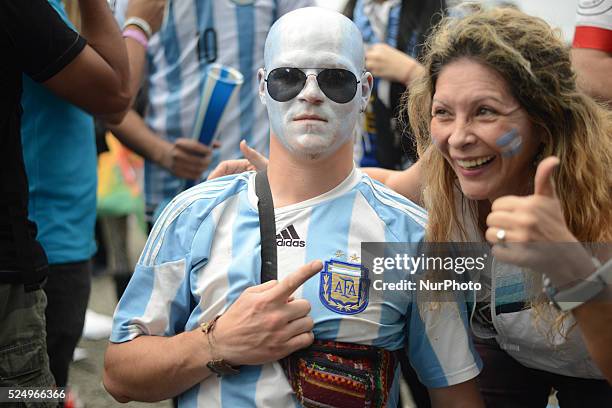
344,287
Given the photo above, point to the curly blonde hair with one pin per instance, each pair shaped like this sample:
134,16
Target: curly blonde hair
536,65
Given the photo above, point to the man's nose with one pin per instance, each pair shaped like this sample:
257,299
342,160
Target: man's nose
311,91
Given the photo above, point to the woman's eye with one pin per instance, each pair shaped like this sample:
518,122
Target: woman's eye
440,112
485,111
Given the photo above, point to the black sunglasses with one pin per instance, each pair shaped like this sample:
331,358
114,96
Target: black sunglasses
285,83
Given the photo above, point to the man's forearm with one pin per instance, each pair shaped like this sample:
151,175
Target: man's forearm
378,174
154,368
100,29
134,133
595,321
593,68
137,58
464,395
152,12
406,182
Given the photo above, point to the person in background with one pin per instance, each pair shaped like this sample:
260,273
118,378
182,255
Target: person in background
37,43
114,227
195,34
393,31
592,48
59,150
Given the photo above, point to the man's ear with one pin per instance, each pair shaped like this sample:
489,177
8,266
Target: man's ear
366,83
261,76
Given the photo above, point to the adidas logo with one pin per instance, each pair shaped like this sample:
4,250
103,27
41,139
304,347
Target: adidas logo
289,238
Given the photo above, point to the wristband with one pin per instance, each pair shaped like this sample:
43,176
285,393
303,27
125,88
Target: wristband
137,36
217,365
140,23
568,299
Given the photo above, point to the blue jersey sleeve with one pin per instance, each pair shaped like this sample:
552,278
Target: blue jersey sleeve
158,300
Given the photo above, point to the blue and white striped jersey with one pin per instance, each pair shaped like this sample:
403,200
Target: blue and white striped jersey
205,249
233,33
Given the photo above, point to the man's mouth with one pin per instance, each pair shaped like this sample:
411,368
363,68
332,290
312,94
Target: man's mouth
471,164
309,117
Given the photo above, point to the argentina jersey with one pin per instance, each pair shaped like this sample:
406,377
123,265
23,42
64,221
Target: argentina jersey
194,34
205,249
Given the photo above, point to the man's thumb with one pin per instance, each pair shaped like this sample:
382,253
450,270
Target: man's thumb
544,183
253,156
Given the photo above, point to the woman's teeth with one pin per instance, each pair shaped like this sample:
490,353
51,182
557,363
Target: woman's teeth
470,164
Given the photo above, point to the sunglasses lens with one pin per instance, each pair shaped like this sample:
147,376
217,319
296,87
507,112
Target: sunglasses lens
285,84
339,85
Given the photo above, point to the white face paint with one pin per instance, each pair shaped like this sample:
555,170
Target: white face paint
312,125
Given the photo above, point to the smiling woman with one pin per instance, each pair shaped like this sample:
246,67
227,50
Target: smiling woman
475,119
498,96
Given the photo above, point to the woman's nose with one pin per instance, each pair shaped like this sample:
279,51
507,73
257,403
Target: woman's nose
461,135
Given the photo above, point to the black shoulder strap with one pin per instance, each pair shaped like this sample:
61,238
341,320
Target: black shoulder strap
267,227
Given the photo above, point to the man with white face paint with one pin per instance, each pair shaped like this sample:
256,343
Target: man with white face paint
196,302
312,126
